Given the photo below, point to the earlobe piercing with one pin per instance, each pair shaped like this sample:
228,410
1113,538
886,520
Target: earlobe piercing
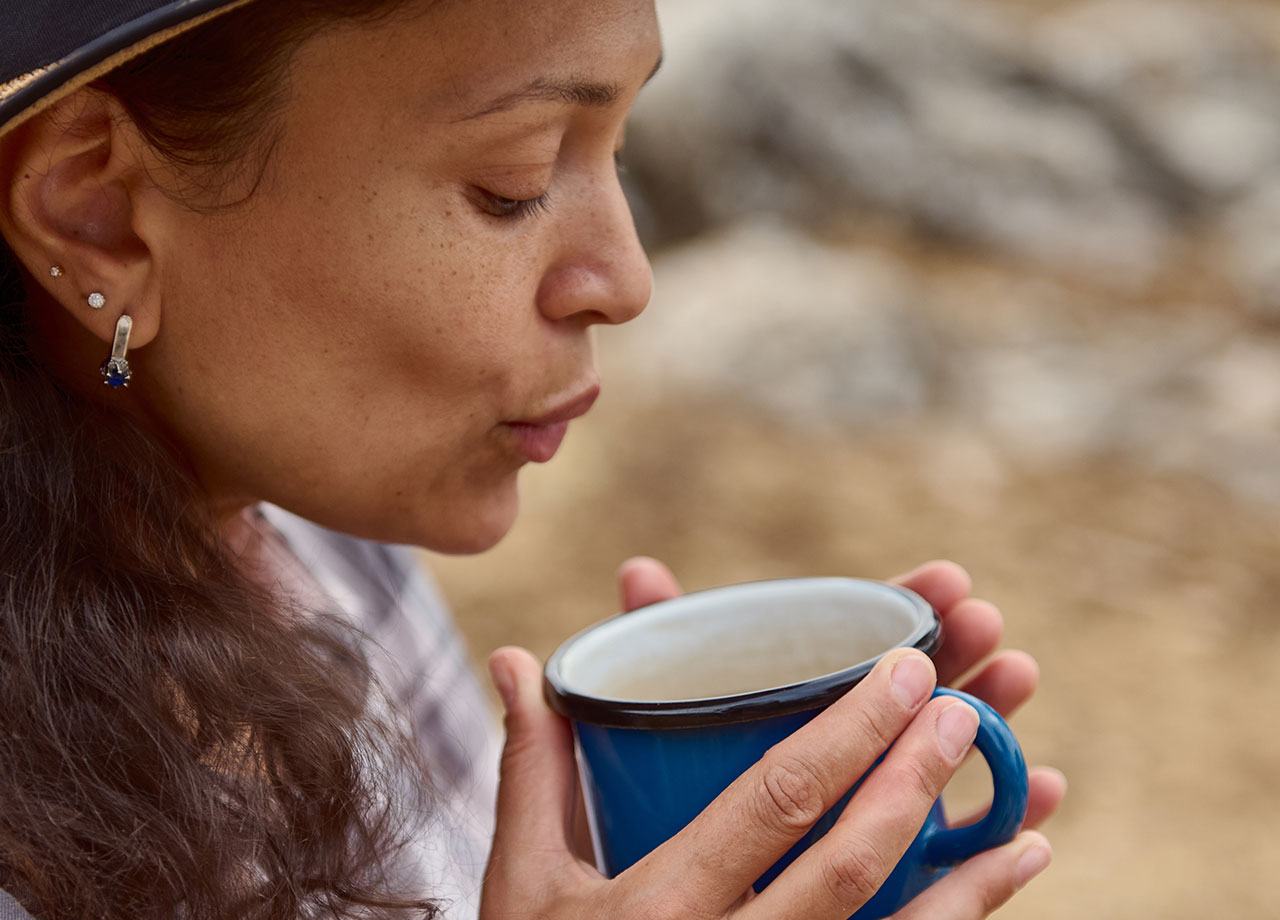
56,271
116,368
97,301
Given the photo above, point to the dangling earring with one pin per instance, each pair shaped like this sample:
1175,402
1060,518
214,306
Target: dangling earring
116,368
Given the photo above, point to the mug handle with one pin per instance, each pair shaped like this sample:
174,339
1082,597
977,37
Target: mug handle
997,744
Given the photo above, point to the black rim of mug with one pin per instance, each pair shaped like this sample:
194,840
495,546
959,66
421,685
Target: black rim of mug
744,707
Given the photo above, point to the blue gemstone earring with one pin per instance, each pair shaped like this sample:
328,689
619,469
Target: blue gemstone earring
116,368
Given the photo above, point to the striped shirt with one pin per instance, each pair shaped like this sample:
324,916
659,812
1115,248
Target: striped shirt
11,909
422,662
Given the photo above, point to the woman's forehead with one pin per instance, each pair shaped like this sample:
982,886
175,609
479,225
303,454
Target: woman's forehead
466,58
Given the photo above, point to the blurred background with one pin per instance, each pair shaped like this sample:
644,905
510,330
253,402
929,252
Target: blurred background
989,280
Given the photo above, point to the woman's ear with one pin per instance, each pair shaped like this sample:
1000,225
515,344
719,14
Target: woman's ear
75,193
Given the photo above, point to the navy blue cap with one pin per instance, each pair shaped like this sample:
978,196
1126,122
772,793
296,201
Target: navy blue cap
51,47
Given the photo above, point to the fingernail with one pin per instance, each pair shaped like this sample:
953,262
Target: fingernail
504,682
912,681
957,727
1033,862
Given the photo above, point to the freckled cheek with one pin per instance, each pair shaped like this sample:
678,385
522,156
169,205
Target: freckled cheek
416,293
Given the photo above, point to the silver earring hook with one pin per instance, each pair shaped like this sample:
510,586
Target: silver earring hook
115,369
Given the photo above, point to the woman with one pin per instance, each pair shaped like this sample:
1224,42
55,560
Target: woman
343,257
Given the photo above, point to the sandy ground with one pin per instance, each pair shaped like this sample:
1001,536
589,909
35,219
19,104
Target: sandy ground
1148,599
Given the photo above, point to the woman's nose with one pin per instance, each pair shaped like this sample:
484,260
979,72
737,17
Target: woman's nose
602,274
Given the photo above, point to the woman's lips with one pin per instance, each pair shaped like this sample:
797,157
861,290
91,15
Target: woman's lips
539,443
539,438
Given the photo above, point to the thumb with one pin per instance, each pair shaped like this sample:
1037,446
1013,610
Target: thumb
539,781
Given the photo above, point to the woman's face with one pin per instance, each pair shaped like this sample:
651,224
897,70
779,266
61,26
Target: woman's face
398,319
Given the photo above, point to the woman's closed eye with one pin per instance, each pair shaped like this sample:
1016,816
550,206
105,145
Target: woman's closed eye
512,208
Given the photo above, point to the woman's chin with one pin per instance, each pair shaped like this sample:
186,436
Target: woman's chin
471,528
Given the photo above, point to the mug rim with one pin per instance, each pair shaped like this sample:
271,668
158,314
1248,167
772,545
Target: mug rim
754,705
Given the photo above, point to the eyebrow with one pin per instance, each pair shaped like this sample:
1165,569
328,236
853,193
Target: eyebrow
571,91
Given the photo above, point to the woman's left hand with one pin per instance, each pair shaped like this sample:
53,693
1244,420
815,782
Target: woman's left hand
972,630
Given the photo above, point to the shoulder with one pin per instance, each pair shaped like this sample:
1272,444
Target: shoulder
387,592
423,663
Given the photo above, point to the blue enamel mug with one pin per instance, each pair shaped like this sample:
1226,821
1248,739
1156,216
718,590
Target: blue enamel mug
671,703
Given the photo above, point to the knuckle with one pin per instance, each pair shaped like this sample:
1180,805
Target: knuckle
879,725
984,896
922,780
654,911
644,906
994,896
792,795
683,910
515,757
853,876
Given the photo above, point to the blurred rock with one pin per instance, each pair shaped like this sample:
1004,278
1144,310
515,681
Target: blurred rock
830,337
1109,140
1089,138
779,321
1198,80
1251,228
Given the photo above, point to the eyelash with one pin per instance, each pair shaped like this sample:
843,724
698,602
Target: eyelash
517,208
522,208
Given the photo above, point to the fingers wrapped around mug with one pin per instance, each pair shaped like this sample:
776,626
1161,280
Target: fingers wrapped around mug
712,862
972,629
720,736
846,869
984,883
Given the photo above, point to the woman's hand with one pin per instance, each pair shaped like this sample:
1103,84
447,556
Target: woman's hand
972,630
706,870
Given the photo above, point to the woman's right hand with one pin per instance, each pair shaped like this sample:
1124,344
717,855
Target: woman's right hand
706,870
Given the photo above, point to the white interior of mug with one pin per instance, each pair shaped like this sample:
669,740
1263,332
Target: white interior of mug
740,639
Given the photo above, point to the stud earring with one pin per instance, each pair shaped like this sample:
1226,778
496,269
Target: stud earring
97,301
115,369
56,271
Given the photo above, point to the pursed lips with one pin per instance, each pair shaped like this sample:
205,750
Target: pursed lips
567,411
540,437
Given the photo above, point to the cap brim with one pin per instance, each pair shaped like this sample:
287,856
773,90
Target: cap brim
24,97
